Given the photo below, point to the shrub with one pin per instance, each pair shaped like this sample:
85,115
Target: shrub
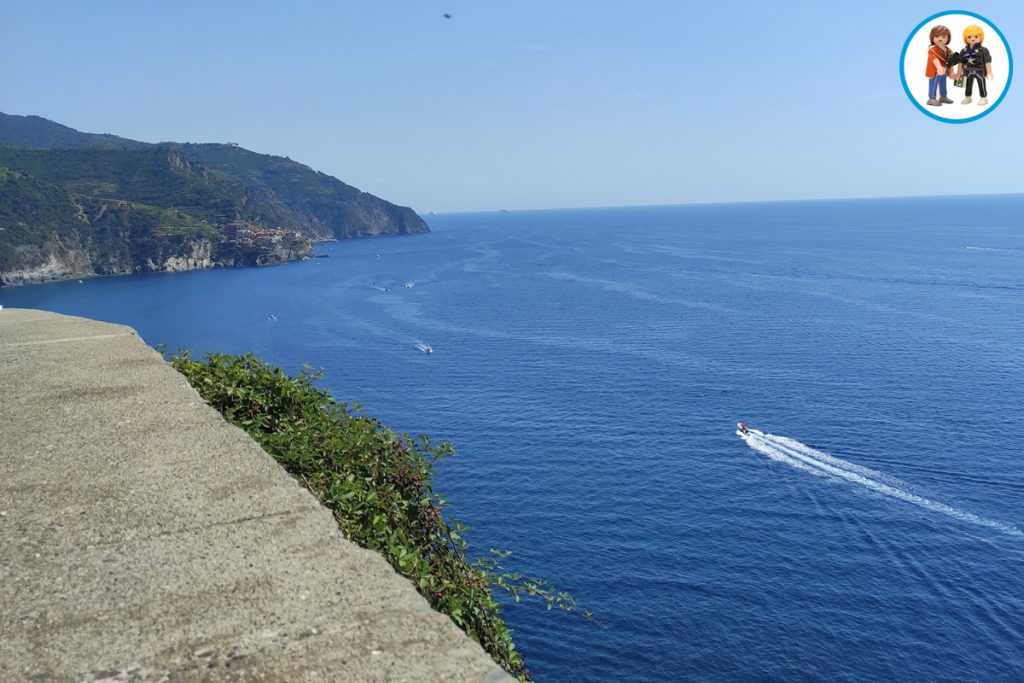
378,486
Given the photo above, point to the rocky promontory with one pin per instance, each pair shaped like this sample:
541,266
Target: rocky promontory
76,204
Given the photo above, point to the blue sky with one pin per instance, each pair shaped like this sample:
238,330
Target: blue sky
524,104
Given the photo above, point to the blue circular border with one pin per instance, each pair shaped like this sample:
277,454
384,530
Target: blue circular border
903,76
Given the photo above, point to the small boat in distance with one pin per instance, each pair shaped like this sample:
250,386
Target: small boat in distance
742,429
425,348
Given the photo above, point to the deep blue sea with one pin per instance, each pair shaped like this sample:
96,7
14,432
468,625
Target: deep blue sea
590,366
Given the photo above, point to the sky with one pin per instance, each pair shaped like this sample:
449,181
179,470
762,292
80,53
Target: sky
525,104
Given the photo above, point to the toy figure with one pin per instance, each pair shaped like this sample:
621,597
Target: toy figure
938,55
975,63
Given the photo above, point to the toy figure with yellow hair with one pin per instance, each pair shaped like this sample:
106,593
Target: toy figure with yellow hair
975,63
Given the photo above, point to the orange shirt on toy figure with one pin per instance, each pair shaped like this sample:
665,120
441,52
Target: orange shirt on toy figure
935,52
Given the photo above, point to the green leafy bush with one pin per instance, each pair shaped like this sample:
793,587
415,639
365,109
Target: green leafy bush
378,486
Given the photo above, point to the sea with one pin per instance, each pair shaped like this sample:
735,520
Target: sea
590,366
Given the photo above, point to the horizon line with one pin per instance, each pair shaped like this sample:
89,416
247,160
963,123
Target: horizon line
728,203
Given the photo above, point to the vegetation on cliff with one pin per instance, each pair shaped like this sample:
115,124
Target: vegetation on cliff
32,213
98,211
158,177
313,203
320,204
378,486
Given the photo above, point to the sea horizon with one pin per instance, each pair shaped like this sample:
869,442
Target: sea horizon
805,200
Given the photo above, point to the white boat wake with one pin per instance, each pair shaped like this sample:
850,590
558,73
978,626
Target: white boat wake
803,457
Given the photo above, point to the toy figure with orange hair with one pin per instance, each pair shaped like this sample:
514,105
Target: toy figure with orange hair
975,63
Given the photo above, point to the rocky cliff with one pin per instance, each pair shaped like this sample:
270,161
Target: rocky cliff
68,260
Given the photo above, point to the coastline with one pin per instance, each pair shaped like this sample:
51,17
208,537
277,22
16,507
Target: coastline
63,269
77,264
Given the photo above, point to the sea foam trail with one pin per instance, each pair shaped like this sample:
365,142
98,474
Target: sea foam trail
795,445
803,457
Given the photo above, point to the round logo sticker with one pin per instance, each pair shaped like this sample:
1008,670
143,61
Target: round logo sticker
956,66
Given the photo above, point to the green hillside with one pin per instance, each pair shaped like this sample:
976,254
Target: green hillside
35,131
155,176
80,203
320,203
32,212
314,203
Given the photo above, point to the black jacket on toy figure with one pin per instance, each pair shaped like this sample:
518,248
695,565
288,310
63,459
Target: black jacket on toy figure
974,63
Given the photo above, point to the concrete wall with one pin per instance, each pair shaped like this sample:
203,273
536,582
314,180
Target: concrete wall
143,538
